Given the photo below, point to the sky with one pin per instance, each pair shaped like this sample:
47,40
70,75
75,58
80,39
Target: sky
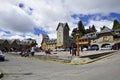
20,19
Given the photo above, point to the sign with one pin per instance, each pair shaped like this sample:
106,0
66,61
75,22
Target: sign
83,42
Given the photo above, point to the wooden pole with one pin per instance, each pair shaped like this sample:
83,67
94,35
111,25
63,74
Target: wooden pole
77,43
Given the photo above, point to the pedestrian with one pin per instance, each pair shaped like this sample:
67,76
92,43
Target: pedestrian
47,51
73,51
70,48
32,51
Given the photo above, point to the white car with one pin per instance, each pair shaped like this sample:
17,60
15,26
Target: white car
2,56
60,49
107,47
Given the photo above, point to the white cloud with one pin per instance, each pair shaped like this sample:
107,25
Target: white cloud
47,14
14,19
93,6
99,24
38,39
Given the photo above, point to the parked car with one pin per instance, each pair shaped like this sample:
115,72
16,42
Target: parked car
2,56
84,49
107,47
60,49
93,48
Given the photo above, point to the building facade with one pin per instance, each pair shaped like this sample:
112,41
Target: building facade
16,44
63,39
100,39
48,43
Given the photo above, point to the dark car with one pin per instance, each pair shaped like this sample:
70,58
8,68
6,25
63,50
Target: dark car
2,56
93,48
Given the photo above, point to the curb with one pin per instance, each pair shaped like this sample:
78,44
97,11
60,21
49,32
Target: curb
1,75
81,63
87,62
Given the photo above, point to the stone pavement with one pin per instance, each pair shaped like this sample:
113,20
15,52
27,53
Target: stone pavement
83,53
66,57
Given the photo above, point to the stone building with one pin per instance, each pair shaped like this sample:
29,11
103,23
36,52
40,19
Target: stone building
16,44
62,40
48,43
100,39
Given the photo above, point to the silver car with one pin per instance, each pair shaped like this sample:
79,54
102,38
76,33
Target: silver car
2,56
107,47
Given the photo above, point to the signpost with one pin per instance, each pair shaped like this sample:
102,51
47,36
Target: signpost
77,43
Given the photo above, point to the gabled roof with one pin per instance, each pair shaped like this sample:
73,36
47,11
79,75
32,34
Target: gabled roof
63,25
10,41
52,41
90,35
17,41
105,30
25,42
45,37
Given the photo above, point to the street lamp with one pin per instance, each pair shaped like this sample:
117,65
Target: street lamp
77,43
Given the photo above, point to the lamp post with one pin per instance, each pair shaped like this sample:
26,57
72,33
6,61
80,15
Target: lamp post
77,43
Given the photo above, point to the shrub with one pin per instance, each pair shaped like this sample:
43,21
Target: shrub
1,74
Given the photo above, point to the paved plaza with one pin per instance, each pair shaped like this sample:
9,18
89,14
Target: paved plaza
67,53
21,68
65,56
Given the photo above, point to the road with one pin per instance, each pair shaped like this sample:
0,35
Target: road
20,68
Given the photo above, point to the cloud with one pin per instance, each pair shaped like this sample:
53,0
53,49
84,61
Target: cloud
93,6
14,19
22,17
96,17
99,24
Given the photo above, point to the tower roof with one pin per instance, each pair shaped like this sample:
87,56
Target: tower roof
63,25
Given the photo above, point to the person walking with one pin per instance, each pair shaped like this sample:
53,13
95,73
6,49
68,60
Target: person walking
73,51
32,51
70,48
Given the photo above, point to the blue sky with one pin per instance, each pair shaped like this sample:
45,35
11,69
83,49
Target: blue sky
38,31
85,18
24,19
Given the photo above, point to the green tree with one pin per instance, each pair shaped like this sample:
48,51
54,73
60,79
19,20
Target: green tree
116,25
93,29
87,31
73,34
81,29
